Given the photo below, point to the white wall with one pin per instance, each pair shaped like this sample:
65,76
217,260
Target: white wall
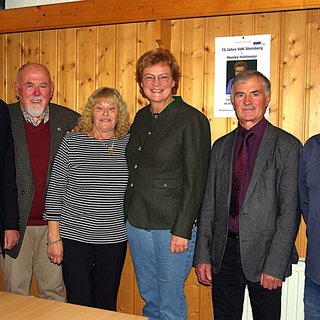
28,3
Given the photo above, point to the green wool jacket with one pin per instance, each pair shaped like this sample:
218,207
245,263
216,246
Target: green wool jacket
167,155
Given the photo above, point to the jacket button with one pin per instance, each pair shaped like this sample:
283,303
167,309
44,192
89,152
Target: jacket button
149,133
131,184
165,185
135,166
23,192
139,149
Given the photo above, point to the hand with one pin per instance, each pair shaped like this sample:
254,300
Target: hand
204,273
178,244
75,129
11,238
270,282
55,252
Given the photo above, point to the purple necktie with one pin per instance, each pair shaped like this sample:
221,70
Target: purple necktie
238,175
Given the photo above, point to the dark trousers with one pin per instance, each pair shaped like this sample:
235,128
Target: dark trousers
228,288
92,273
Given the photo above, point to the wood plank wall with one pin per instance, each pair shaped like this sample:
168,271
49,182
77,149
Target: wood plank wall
83,59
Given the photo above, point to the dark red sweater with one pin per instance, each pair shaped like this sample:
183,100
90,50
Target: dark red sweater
38,139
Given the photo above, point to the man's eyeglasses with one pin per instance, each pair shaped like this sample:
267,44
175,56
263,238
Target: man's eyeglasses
150,78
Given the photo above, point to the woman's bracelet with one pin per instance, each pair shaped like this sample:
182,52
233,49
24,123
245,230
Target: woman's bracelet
53,242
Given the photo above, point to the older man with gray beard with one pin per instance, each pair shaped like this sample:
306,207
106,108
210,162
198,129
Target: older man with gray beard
38,127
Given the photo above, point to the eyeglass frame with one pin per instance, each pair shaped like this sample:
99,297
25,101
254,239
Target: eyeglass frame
162,78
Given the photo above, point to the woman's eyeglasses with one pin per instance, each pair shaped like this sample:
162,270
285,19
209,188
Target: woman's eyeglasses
150,78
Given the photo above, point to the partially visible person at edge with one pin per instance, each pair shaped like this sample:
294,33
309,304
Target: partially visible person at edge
167,157
237,68
309,191
38,127
250,213
85,202
9,214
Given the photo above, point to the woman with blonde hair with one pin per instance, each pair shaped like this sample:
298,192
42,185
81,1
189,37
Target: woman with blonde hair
85,202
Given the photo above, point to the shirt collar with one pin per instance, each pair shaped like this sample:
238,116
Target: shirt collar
29,119
176,100
257,129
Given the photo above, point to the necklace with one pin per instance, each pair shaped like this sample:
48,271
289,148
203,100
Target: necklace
110,149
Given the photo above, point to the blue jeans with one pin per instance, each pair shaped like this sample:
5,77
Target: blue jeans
311,300
160,274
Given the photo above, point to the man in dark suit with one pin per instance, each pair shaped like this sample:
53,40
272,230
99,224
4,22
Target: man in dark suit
250,217
38,127
9,215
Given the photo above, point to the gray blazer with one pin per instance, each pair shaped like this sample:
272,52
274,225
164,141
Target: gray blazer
61,120
269,217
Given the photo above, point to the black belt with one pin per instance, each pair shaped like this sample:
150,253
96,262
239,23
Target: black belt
233,235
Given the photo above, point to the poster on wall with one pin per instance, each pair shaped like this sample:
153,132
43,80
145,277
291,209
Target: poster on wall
232,55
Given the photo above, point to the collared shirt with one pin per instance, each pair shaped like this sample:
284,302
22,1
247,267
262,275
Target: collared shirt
253,144
29,118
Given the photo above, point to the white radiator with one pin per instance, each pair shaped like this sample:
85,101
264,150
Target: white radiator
292,296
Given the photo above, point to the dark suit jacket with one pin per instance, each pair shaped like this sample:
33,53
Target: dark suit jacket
9,216
61,120
269,217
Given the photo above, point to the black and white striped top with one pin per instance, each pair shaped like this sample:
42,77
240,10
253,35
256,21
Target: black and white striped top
86,189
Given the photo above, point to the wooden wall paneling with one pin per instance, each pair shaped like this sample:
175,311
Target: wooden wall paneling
3,71
270,24
106,56
66,84
312,119
128,297
301,240
215,27
192,64
86,64
31,47
293,48
176,45
193,296
126,59
101,12
14,62
48,54
163,33
147,33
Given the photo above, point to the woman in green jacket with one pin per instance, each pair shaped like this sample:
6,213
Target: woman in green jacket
167,157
